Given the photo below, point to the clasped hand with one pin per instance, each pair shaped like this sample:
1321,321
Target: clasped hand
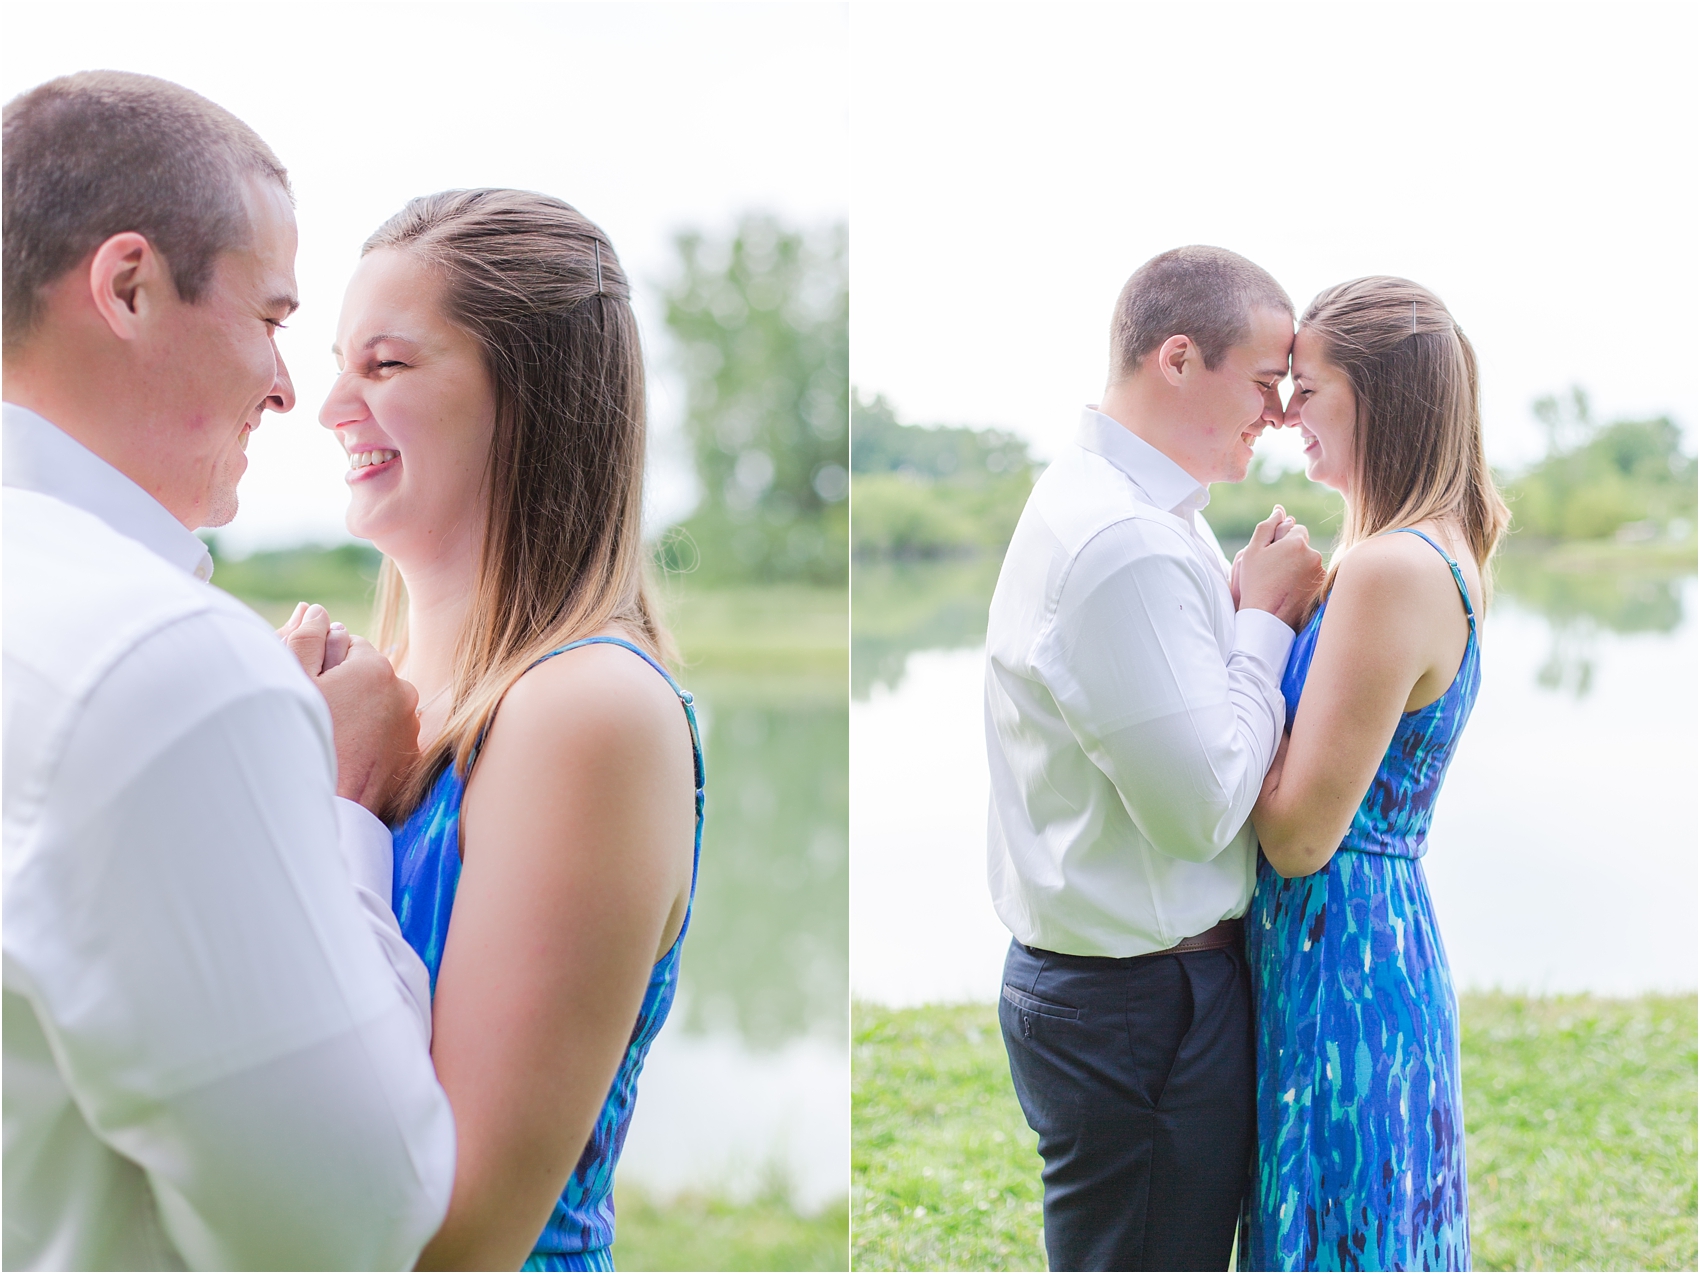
1277,571
373,714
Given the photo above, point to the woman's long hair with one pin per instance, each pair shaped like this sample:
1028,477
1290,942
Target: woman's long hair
1418,434
538,286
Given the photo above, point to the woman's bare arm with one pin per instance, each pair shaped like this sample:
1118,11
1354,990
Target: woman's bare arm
1394,632
577,829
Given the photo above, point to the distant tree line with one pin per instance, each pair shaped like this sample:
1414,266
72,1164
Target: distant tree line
951,490
933,492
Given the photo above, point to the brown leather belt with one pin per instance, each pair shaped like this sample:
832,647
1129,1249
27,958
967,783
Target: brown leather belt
1225,933
1219,937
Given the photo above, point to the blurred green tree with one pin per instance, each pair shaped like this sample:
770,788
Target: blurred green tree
761,322
1629,478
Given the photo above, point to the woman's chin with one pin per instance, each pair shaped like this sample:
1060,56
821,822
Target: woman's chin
364,523
1318,473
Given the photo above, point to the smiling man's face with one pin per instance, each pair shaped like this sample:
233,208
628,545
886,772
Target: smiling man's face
218,366
1234,402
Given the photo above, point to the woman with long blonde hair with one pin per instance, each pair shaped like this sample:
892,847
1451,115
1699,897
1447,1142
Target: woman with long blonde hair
490,397
1360,1158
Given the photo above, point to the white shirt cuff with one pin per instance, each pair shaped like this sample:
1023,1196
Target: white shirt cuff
369,851
1259,634
366,847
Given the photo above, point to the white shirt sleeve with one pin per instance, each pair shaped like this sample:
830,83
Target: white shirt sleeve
1133,659
368,850
215,999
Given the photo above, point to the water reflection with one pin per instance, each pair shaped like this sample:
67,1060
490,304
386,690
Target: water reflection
1571,792
749,1080
1623,599
767,951
1581,605
901,607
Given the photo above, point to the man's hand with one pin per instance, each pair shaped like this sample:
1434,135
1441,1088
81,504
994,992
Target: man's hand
377,730
372,710
1278,571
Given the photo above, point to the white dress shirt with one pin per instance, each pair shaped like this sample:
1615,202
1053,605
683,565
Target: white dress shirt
213,1047
1130,714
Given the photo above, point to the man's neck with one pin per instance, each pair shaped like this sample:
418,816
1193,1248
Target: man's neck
90,409
33,387
1133,406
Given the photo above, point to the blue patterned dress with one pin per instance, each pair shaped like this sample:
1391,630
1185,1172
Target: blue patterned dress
1360,1111
427,870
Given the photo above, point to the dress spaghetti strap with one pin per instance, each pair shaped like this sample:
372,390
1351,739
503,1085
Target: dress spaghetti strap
1457,574
686,698
639,651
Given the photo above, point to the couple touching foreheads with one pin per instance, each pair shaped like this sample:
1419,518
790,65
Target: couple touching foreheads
247,1023
1211,785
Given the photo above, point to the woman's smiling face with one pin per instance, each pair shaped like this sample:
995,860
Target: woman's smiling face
1324,410
413,408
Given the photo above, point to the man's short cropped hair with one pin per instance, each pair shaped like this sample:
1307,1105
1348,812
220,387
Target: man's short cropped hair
1200,292
100,153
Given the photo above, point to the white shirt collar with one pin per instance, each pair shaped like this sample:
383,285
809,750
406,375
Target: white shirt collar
1164,483
39,456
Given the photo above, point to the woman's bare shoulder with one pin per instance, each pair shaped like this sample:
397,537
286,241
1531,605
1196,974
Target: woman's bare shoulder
601,696
1393,566
1396,584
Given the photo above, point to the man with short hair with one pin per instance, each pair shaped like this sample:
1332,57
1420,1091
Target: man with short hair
216,1044
1131,715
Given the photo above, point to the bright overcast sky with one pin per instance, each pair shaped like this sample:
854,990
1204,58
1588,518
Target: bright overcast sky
648,118
1533,164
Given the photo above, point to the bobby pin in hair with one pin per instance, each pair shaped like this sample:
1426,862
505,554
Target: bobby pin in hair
596,246
1413,303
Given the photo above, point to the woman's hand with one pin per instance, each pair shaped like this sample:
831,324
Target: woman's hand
313,637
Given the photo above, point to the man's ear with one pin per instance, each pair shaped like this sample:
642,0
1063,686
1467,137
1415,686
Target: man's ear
1175,357
128,282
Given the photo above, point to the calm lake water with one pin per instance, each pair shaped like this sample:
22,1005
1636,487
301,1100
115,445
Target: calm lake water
748,1083
1563,855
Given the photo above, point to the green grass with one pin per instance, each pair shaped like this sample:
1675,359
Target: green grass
944,1172
1580,1115
694,1232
